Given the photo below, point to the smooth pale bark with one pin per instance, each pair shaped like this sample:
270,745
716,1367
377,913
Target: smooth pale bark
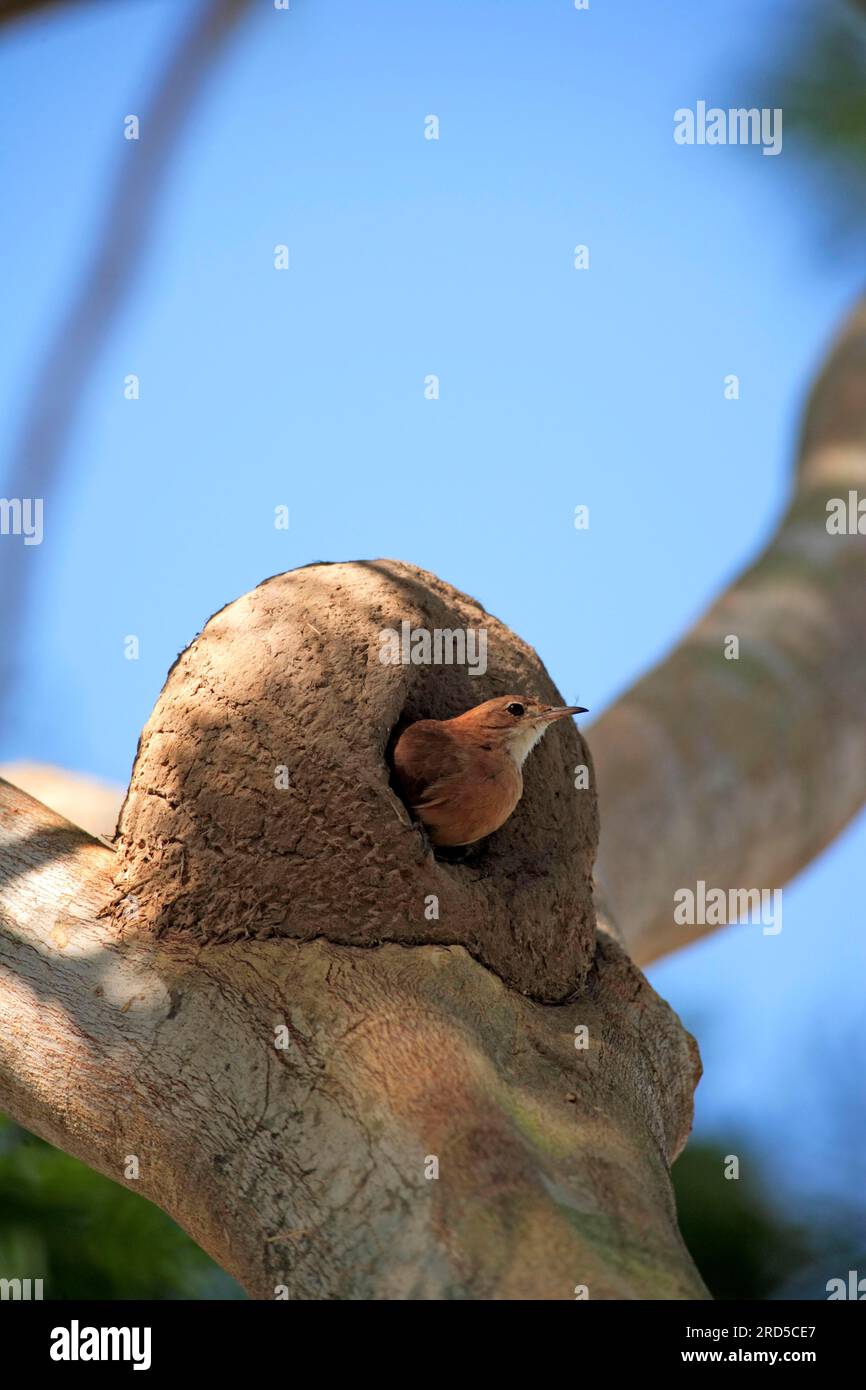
739,772
86,801
305,1168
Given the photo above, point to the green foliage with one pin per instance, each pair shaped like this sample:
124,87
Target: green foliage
86,1236
820,84
745,1244
742,1248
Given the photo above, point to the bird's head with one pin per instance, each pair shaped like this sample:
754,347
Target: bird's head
514,722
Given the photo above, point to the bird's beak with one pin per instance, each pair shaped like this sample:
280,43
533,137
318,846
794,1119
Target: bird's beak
550,714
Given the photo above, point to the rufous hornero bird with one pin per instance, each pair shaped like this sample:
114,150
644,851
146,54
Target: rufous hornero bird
462,777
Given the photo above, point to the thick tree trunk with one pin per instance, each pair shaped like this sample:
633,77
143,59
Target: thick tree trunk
307,1168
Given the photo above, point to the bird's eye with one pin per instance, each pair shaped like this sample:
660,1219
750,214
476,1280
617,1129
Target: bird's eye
515,709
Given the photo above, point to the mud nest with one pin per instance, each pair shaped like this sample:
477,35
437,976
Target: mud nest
260,803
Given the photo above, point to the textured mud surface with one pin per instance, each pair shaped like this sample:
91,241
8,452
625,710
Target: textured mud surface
214,844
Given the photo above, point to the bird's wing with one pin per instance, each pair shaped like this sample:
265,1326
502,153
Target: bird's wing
439,793
425,759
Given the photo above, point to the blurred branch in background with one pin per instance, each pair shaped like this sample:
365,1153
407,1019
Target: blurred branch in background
104,289
739,772
27,9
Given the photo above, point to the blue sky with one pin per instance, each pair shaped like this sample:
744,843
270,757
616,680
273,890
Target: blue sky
409,257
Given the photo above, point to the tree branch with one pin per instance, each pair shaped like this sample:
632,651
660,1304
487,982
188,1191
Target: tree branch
85,801
739,772
105,287
27,9
307,1167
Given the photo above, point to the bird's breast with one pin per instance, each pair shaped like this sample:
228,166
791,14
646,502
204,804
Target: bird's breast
462,790
471,805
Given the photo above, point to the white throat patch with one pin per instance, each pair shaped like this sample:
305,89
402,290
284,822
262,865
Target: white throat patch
523,740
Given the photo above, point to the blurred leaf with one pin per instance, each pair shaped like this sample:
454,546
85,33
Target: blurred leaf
745,1244
820,83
